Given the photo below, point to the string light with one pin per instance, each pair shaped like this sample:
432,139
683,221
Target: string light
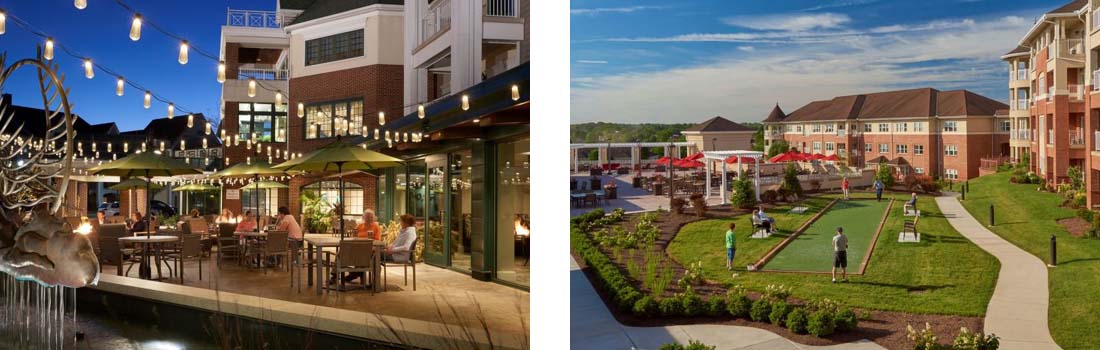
251,87
301,110
515,92
209,128
80,4
465,102
376,133
126,147
278,97
171,110
222,133
221,71
381,118
420,111
148,99
190,120
477,121
3,22
135,28
162,146
204,143
108,147
88,72
183,145
119,86
183,52
48,52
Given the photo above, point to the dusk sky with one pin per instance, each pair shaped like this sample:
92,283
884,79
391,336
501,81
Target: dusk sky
101,31
664,62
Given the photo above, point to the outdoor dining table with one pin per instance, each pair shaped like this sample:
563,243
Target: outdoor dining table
144,272
317,243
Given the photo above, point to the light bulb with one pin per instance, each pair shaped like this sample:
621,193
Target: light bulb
3,22
135,28
301,110
420,111
381,118
148,99
221,71
183,52
204,143
108,147
376,134
222,133
125,147
88,72
477,121
248,144
190,120
80,4
171,110
208,128
183,145
251,87
162,146
119,86
48,53
278,97
465,102
515,92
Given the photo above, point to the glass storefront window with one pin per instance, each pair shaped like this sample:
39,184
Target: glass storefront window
400,193
207,202
460,208
266,120
513,211
268,201
328,119
329,192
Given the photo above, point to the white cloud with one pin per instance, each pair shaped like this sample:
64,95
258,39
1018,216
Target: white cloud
592,61
787,22
601,10
744,88
840,3
746,48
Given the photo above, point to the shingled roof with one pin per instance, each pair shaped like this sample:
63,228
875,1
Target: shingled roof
718,124
912,103
1070,7
776,115
325,8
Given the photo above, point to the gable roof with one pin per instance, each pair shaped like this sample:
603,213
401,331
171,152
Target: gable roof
776,115
1070,7
911,103
718,124
325,8
1019,50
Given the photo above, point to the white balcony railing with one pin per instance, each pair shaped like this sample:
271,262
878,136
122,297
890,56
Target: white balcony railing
1021,104
1096,77
247,71
435,20
1021,134
1050,93
1076,92
1076,137
501,8
1071,49
1021,74
253,19
1096,140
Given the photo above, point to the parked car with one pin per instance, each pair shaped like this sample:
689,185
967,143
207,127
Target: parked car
109,209
162,209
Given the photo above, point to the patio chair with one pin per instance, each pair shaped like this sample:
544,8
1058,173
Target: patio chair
406,265
189,247
296,261
591,198
352,256
117,219
111,251
228,243
276,245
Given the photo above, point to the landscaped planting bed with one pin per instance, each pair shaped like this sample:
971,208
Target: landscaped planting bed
680,277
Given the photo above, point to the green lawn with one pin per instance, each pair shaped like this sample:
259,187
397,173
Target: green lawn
944,274
1027,218
813,249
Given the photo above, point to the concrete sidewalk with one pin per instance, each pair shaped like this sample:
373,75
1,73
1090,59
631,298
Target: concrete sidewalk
1018,309
593,327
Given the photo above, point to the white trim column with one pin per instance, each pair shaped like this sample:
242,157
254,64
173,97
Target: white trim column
723,189
576,160
756,176
707,168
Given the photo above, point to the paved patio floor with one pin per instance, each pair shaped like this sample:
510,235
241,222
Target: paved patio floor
629,198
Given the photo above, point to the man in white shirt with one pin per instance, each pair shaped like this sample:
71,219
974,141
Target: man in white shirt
840,254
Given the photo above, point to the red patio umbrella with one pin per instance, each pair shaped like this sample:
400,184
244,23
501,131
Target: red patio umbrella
696,156
688,163
736,159
832,157
663,160
816,156
788,156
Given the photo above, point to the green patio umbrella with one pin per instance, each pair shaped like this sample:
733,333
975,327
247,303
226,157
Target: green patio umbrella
147,165
134,183
266,185
197,187
340,156
251,169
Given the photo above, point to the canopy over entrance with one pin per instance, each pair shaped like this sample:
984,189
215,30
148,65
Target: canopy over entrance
721,157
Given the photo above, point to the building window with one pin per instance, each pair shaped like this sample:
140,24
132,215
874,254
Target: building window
919,170
918,126
867,147
328,119
901,127
334,47
951,150
266,120
829,146
268,200
884,148
817,145
328,192
884,127
918,149
867,127
788,128
1004,125
799,128
513,209
830,127
951,174
817,128
900,148
950,126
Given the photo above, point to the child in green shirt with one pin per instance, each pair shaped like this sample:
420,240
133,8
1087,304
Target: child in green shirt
730,248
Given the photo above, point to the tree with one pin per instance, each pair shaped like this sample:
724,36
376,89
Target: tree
885,175
758,139
778,146
743,195
790,186
1076,177
593,154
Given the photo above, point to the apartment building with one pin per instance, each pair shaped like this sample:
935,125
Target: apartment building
922,131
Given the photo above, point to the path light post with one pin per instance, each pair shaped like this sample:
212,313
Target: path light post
1053,250
967,185
963,191
991,215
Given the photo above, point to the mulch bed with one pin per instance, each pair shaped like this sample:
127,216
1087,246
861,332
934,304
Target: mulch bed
882,327
1076,226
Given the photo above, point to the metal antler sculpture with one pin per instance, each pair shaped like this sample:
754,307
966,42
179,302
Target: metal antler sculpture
34,176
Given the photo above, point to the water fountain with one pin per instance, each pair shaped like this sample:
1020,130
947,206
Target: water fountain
42,260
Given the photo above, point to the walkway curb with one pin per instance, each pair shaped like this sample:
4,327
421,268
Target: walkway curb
1017,315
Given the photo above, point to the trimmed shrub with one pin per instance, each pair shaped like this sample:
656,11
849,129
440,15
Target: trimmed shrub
645,306
692,304
760,310
669,306
846,320
716,306
769,196
626,298
692,345
821,323
975,341
677,204
743,196
779,313
738,304
796,320
790,187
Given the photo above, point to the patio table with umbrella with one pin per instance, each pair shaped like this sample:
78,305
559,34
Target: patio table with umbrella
251,169
147,165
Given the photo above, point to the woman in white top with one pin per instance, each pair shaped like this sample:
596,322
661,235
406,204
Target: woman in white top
400,249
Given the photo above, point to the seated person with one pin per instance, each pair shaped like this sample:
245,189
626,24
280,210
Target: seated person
765,219
226,217
767,225
399,250
101,217
286,222
369,228
137,222
911,204
248,223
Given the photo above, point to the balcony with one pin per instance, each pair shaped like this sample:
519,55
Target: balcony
501,8
1096,140
1076,92
1021,74
254,19
261,72
1050,136
773,134
1096,77
1021,104
1021,134
1073,49
1077,137
437,19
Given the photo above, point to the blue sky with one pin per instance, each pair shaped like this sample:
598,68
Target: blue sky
685,61
101,31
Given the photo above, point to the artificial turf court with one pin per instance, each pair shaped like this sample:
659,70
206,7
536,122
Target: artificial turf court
811,251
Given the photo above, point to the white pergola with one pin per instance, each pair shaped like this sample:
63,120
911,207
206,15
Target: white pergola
635,150
720,157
